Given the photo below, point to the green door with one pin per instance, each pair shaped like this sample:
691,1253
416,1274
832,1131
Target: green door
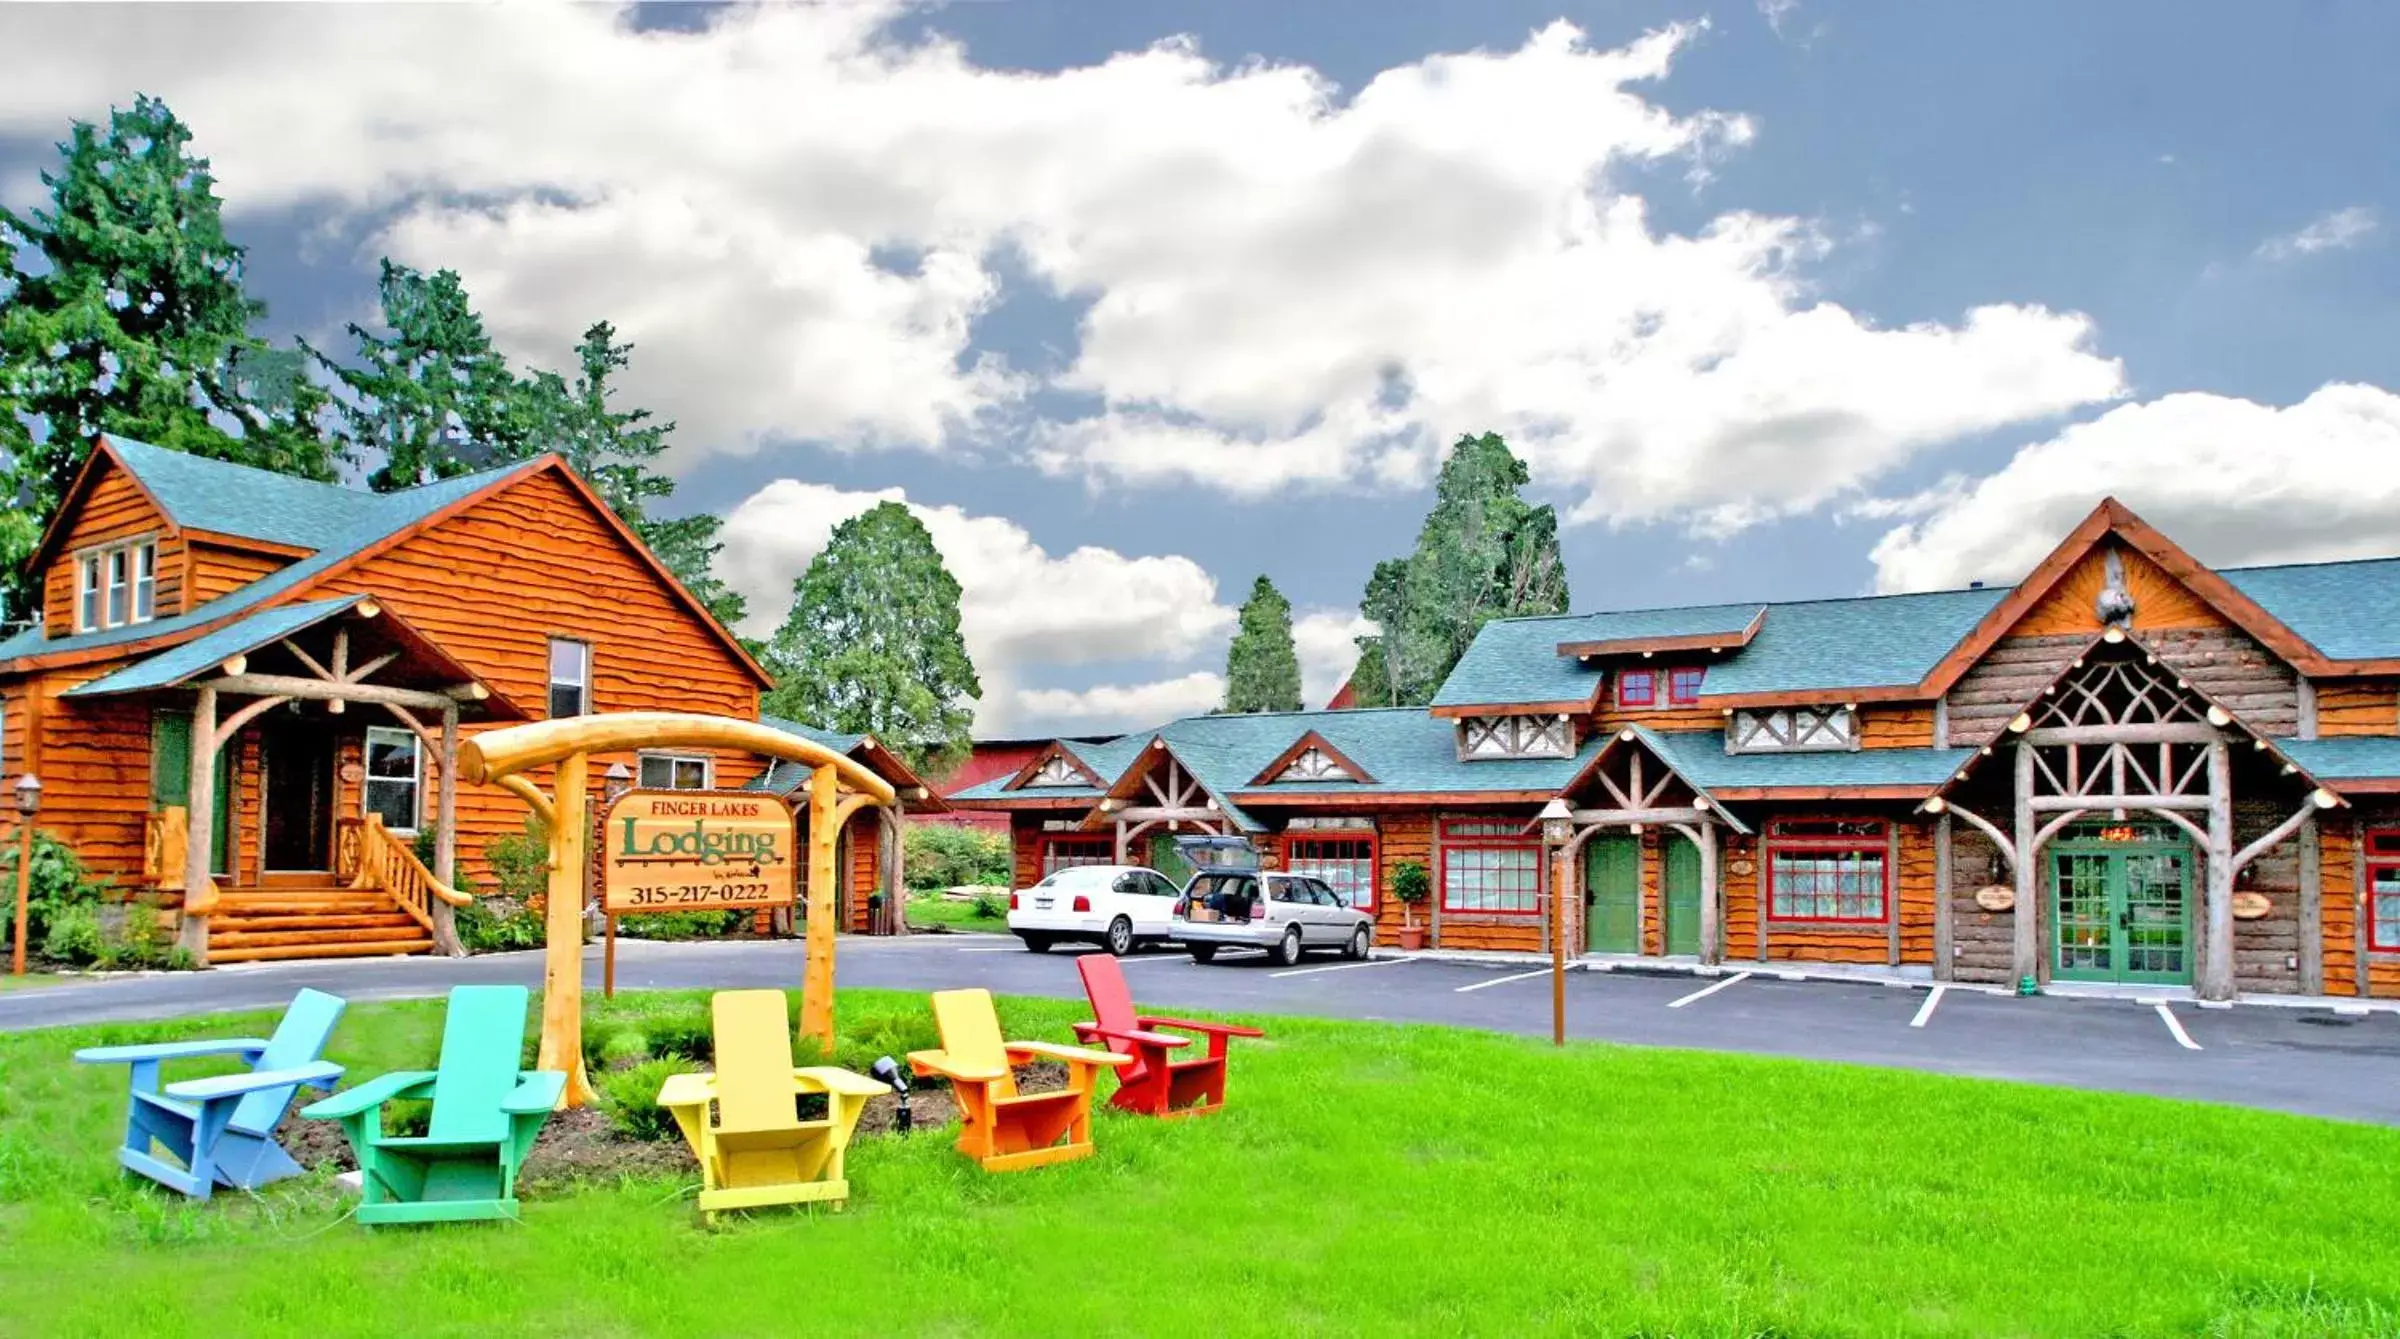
171,779
2121,904
1612,894
1683,894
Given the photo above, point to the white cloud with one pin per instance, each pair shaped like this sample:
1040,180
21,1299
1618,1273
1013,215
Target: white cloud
1119,707
1284,288
1021,608
2232,480
2338,231
1776,11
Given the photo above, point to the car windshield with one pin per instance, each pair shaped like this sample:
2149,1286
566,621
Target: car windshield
1082,876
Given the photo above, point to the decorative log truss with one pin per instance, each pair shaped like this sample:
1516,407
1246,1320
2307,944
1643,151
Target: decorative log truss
2119,732
1634,787
1159,794
336,681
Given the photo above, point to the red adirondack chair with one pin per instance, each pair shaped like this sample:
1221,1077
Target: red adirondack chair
1153,1085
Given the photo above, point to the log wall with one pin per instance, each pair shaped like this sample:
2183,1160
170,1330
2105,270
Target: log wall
116,508
2224,663
2358,706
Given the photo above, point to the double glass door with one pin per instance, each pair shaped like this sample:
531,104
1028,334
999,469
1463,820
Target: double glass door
2121,903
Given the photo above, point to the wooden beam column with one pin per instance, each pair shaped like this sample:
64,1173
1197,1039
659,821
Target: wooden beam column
824,834
2312,909
191,933
2216,964
445,838
562,962
888,855
2025,956
1711,921
1943,875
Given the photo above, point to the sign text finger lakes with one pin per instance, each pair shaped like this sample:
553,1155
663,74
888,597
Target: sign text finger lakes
696,850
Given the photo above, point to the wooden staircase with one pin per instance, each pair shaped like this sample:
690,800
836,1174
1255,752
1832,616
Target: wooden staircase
329,921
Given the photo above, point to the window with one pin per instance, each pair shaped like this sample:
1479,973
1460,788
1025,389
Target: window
674,771
1795,730
1683,686
1073,852
395,777
1826,870
1058,770
1346,864
1491,866
1516,737
2383,891
116,586
570,677
1637,688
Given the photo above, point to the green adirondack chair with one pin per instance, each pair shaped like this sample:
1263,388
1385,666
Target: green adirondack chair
486,1113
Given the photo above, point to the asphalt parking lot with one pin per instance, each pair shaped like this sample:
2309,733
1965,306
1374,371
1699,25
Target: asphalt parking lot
2312,1061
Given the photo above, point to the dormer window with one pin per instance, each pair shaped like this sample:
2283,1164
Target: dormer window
1677,687
1796,730
1683,686
1637,688
1516,737
116,585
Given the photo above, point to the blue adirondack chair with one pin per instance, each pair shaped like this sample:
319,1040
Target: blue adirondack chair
222,1130
486,1115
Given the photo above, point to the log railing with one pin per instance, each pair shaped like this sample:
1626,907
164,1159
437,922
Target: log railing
381,860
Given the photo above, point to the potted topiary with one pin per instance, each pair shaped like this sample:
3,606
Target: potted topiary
1412,885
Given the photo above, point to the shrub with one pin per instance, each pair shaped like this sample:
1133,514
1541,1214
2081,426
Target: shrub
858,1041
991,906
180,959
630,1096
687,1034
940,856
498,925
59,882
134,942
678,924
73,935
521,863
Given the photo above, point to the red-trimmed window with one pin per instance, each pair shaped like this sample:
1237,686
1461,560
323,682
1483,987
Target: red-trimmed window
1828,869
1491,867
1637,688
1063,851
2383,891
1683,686
1344,860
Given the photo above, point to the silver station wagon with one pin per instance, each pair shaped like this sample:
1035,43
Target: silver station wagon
1282,914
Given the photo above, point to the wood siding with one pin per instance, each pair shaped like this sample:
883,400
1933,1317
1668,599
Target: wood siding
2160,602
116,508
2358,706
2225,663
218,570
1883,725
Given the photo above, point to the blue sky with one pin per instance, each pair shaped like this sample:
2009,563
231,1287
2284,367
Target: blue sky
2204,193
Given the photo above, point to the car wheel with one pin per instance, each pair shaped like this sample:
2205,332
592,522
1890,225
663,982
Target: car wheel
1036,943
1287,950
1204,953
1120,937
1357,951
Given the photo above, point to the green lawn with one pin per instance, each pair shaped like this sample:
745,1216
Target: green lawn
924,913
9,981
1367,1180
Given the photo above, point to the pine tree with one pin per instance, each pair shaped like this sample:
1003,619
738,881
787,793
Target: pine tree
1483,553
872,644
432,398
1262,669
122,311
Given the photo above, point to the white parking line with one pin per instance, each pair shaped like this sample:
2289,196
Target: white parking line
1933,999
1340,967
1501,981
1705,991
1004,948
2182,1038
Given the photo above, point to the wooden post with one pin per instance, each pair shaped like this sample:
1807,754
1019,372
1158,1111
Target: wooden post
1942,877
1891,894
192,932
816,982
562,964
2025,956
2360,985
2216,965
887,865
2312,910
608,960
16,955
445,838
1711,952
1561,879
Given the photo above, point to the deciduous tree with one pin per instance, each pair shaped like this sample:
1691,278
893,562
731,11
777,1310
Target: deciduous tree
872,645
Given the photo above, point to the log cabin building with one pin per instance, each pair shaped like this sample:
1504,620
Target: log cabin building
2126,768
295,663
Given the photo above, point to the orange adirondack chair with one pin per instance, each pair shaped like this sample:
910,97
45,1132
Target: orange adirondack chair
1001,1128
1154,1084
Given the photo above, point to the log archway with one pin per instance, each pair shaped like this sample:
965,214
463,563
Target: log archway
838,787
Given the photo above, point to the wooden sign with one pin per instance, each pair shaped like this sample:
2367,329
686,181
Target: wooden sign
1996,897
2251,906
689,850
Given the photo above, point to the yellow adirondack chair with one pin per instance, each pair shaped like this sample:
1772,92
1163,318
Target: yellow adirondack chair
758,1151
1001,1128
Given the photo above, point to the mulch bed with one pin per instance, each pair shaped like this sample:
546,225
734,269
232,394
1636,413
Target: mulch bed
579,1144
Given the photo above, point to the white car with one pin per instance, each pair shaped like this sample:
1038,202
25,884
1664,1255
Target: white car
1118,907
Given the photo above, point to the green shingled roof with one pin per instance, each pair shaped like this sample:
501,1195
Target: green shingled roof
378,516
785,777
1517,660
173,666
252,503
1701,757
2345,757
2342,609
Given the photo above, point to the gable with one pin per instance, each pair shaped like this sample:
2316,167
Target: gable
105,506
2159,600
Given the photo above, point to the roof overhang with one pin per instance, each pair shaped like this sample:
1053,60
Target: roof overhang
1726,640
